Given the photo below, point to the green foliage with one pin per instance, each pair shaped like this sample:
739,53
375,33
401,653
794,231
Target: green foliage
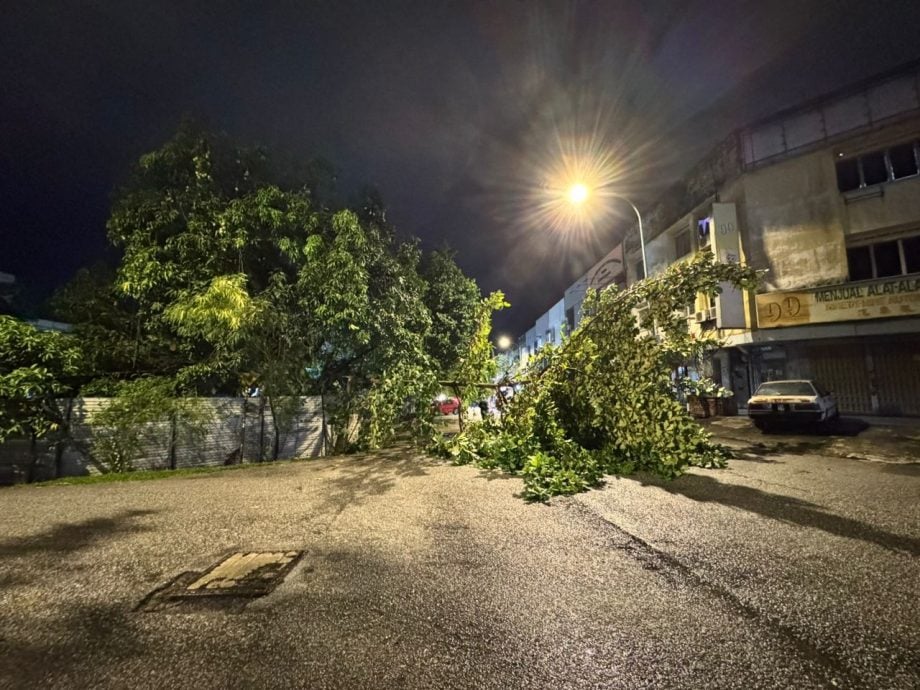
36,368
603,402
477,363
454,302
145,412
240,273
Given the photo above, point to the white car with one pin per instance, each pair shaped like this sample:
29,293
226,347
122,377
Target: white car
783,402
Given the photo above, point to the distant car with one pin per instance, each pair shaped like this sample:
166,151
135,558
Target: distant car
802,401
447,405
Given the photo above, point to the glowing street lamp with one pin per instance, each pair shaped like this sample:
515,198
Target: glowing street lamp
578,193
503,342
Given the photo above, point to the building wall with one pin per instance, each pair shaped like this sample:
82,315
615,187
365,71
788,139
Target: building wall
556,327
793,223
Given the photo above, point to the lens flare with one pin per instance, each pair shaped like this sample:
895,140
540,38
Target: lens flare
578,193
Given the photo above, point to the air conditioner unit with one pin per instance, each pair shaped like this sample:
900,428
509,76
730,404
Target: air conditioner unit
701,316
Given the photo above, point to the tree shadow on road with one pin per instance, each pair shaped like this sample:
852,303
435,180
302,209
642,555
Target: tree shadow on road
360,477
783,508
64,538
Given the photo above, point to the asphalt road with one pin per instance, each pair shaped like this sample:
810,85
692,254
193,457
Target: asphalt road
780,571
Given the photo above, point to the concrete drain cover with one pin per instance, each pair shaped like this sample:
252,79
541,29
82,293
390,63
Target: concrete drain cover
230,584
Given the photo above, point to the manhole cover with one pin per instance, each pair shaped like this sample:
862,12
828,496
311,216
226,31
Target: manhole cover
229,584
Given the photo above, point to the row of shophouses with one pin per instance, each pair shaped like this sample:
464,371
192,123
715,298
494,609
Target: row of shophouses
826,197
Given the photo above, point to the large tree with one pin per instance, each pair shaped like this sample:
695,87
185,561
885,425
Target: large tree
256,278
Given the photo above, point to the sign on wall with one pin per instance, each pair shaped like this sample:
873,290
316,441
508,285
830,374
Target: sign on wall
878,299
726,244
607,270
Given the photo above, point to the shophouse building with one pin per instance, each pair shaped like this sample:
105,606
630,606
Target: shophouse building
825,197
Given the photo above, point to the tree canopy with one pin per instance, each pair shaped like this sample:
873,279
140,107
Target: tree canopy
242,273
605,400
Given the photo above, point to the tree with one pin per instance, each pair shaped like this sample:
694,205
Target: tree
454,302
603,401
252,281
36,368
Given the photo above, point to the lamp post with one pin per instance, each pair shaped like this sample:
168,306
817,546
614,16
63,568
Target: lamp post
578,193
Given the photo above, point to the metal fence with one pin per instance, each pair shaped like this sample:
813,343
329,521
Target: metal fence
238,430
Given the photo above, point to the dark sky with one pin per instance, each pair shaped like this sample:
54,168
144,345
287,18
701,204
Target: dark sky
454,110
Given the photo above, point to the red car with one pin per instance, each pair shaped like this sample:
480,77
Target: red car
447,405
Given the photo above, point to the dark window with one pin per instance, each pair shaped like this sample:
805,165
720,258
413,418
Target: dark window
786,388
640,271
874,169
911,248
860,263
682,244
887,259
704,226
848,175
903,163
570,318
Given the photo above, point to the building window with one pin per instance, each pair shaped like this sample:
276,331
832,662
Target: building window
887,259
848,175
884,259
877,167
911,247
874,169
704,227
550,336
570,318
860,263
682,244
903,161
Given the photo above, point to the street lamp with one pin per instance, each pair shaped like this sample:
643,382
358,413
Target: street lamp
504,342
579,192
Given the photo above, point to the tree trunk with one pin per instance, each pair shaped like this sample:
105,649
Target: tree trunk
33,459
276,441
172,441
65,434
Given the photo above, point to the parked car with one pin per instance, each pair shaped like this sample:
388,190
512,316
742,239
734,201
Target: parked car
802,401
447,405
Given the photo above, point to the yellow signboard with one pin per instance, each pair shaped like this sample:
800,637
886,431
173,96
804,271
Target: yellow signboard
877,299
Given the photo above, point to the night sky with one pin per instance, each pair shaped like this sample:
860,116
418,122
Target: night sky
454,110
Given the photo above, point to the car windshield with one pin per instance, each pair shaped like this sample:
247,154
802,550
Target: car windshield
786,388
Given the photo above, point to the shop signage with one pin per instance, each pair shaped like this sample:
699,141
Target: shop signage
877,299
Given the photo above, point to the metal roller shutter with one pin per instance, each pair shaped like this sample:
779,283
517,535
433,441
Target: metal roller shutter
842,369
897,372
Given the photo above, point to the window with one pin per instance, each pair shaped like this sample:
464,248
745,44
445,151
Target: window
570,318
911,247
874,169
682,244
860,263
887,259
704,226
903,161
884,259
848,175
877,167
550,336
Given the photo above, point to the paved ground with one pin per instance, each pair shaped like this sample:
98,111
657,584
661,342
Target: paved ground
880,439
782,571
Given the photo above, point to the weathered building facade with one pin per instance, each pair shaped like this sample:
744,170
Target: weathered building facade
825,197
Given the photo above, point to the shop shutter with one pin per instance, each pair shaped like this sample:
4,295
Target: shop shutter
897,372
841,368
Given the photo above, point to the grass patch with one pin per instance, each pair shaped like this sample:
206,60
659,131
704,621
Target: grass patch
148,475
